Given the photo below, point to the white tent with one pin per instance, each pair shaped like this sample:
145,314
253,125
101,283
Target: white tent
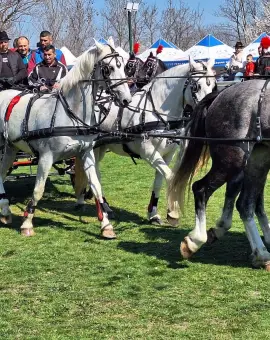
169,52
210,47
252,48
70,58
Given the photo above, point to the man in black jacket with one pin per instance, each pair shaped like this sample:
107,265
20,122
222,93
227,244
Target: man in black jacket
47,74
12,69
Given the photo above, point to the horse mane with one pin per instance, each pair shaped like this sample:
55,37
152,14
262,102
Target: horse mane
169,73
83,68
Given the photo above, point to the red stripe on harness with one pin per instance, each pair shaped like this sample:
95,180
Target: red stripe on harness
11,105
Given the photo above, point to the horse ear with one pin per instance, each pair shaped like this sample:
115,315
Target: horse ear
210,63
98,45
111,42
192,63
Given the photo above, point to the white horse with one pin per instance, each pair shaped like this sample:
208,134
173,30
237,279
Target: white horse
56,125
162,101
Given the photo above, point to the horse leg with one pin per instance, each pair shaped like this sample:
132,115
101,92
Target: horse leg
158,163
224,169
262,218
6,163
251,196
202,190
90,171
44,166
153,215
225,222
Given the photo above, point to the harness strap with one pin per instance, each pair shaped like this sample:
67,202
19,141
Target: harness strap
119,118
12,103
258,117
27,113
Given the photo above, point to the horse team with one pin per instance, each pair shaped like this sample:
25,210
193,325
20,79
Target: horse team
68,124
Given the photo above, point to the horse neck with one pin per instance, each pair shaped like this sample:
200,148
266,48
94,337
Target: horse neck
80,101
168,92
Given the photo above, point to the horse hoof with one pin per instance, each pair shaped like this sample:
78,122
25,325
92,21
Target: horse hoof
108,234
6,219
172,221
156,221
267,266
184,249
211,236
27,232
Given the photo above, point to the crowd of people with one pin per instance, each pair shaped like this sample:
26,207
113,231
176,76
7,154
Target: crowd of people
41,68
239,62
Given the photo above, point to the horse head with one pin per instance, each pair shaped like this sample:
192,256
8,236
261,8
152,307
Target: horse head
201,79
110,70
152,67
133,66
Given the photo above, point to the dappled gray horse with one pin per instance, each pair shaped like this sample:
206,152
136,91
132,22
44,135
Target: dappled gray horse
240,117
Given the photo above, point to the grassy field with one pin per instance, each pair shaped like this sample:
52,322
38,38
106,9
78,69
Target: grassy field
68,283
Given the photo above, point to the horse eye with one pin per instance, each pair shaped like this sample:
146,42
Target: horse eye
111,68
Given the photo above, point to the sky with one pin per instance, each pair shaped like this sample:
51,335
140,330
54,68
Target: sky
209,7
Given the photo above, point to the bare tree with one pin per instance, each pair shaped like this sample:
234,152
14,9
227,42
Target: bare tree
180,24
70,22
262,20
115,22
12,12
151,24
241,14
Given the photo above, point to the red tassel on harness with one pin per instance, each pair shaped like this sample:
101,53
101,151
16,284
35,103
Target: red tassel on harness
13,102
159,49
136,47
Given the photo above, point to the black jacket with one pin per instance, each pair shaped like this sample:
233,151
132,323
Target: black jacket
48,75
19,72
263,65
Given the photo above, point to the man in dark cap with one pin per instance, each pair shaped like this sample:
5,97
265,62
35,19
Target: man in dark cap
12,68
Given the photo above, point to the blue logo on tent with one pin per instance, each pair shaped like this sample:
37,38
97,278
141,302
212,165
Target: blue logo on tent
209,41
161,42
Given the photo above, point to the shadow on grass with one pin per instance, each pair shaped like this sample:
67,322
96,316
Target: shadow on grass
22,189
233,250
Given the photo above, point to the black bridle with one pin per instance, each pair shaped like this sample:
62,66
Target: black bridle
132,67
106,70
193,82
151,66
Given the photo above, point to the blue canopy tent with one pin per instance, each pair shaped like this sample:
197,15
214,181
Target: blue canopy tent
169,54
252,48
211,47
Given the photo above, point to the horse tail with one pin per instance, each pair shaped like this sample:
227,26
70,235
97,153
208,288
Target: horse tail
80,181
195,155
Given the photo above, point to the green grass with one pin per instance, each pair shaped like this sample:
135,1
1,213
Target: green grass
68,283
